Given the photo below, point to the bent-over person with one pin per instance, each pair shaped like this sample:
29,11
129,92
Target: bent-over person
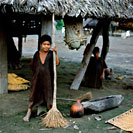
95,70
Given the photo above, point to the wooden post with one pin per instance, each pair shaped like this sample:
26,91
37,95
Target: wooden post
46,27
105,34
20,44
39,35
3,60
77,81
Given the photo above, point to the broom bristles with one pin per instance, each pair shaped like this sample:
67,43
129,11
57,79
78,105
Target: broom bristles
54,119
87,96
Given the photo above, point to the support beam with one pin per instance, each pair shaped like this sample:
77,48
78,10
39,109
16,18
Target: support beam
105,34
39,41
3,60
46,25
46,28
20,44
79,77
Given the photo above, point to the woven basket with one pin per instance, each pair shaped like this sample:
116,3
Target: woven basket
74,34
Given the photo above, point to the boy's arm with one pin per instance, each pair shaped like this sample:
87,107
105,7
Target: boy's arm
57,60
101,77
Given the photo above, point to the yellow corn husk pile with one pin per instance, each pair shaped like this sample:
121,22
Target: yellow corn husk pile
16,83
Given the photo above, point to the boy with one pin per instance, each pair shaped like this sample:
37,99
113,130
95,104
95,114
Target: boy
42,76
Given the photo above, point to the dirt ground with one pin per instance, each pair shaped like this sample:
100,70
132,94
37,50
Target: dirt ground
13,105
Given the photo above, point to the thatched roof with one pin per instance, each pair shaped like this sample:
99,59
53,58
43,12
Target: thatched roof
91,8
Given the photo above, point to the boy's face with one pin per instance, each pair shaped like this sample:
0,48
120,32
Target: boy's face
45,46
96,54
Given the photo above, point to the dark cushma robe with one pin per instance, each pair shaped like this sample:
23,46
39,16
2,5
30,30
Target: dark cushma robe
42,80
93,72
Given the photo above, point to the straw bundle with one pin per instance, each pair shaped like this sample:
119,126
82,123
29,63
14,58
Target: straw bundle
54,119
85,97
16,83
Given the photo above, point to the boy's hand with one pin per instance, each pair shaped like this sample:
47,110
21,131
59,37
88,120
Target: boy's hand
54,49
101,77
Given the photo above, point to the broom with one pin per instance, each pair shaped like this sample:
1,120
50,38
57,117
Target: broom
85,97
54,118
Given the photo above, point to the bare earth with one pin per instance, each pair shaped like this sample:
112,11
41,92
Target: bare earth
13,105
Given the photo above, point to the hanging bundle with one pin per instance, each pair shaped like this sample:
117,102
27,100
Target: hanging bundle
74,35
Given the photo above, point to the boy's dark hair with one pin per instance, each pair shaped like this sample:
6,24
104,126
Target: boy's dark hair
96,49
45,38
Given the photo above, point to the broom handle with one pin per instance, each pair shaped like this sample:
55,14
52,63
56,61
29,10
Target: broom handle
54,63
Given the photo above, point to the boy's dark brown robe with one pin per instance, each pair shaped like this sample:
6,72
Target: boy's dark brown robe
42,80
93,72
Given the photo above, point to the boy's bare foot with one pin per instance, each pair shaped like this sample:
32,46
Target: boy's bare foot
27,117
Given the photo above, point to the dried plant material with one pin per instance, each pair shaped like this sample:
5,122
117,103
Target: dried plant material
85,97
15,79
123,121
54,119
75,8
16,83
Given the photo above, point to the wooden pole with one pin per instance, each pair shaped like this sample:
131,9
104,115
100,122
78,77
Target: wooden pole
39,35
20,44
105,34
54,62
46,27
78,79
3,60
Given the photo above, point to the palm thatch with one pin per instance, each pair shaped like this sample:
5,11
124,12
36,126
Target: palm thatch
121,9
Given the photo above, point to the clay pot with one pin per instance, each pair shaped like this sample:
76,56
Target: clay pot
77,110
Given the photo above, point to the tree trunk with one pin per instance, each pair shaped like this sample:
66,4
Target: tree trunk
3,60
105,34
78,79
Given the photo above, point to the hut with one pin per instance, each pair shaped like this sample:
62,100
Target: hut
24,17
